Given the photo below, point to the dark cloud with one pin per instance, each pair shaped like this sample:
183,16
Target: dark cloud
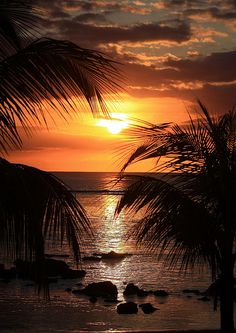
216,67
91,18
94,5
80,5
214,12
52,9
83,5
94,35
226,15
211,78
208,77
185,3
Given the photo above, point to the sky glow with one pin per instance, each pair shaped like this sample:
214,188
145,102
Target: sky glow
171,52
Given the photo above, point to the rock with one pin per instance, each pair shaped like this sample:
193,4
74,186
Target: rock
53,268
191,291
142,293
161,293
26,270
2,269
131,289
147,308
114,255
127,308
92,258
56,267
7,274
93,299
77,291
101,289
204,299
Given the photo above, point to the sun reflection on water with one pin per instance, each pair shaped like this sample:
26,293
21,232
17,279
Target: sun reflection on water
114,229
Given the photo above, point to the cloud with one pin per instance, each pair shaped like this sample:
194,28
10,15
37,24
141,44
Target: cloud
219,66
218,13
94,35
166,58
91,18
211,78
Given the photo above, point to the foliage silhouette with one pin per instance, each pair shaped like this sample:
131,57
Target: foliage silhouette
40,76
190,197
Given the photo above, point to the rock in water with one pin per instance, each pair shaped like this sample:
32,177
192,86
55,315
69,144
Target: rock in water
204,299
114,255
127,308
7,274
101,289
191,291
93,299
161,293
147,308
53,268
131,289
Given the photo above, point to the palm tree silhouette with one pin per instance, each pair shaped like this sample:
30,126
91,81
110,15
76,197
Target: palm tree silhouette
40,76
189,197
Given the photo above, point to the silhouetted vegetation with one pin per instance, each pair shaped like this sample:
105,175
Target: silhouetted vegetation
190,197
40,76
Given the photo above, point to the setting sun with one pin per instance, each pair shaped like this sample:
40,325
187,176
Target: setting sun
116,124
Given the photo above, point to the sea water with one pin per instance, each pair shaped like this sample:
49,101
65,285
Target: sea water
22,311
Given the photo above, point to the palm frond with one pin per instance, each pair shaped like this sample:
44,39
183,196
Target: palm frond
35,207
50,75
173,222
189,211
18,24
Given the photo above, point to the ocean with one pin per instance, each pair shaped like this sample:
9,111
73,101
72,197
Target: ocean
22,311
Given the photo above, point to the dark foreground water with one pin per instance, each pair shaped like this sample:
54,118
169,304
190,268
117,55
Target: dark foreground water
22,311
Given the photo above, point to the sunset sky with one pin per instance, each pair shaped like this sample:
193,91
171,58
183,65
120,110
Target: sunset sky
172,52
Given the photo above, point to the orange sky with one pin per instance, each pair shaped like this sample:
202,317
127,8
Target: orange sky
82,145
172,52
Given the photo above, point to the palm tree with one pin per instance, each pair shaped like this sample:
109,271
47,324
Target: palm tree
36,206
44,75
190,197
40,76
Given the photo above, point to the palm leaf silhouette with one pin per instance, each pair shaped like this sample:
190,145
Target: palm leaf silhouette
190,208
49,75
36,206
41,77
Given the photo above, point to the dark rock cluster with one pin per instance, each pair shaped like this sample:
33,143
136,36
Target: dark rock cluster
28,270
132,289
104,289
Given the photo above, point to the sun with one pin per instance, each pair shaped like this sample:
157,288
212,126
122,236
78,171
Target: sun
116,124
